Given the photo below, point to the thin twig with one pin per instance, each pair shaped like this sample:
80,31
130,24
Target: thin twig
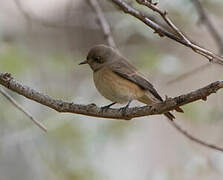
163,14
204,18
103,22
162,32
191,137
189,73
25,14
20,108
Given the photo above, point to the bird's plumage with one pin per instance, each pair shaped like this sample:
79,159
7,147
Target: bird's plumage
126,70
116,88
118,80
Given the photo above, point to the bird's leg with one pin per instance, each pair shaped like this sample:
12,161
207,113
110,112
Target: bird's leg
123,109
108,106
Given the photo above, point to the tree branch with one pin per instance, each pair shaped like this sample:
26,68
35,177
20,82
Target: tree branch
162,32
194,139
181,38
92,110
25,14
204,18
163,14
7,81
19,107
189,73
103,22
159,108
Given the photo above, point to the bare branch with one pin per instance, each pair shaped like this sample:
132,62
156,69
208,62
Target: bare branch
163,14
160,108
162,32
204,18
92,110
189,73
189,136
103,22
24,13
20,108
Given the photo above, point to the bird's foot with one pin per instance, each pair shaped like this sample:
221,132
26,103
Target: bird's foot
123,109
167,98
105,108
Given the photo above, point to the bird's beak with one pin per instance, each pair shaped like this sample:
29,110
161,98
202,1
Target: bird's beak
84,62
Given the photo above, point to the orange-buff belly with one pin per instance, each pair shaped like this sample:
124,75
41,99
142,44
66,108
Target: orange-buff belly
115,88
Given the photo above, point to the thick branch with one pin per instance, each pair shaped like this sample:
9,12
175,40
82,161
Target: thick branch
162,32
92,110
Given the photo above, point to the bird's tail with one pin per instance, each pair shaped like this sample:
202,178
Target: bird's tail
149,100
169,116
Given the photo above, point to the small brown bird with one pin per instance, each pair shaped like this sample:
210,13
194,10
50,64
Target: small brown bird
119,81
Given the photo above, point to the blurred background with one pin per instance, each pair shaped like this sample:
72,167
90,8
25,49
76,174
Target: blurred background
41,44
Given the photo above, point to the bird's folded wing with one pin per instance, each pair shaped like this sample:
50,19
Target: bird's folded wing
124,69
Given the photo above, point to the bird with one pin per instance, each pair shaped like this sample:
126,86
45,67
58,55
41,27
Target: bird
119,81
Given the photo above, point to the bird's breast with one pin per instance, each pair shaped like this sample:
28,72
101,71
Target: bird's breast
115,88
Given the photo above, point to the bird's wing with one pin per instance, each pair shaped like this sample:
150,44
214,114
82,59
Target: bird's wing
124,69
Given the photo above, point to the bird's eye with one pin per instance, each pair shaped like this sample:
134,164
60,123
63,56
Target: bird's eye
98,59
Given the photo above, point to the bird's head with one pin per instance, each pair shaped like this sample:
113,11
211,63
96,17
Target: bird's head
99,56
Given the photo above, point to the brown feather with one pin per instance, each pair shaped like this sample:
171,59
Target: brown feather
124,69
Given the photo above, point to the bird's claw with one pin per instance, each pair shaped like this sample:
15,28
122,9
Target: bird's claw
123,110
105,108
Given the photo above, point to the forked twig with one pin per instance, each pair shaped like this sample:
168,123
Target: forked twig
161,31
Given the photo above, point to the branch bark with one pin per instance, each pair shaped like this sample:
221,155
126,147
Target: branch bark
92,110
7,81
